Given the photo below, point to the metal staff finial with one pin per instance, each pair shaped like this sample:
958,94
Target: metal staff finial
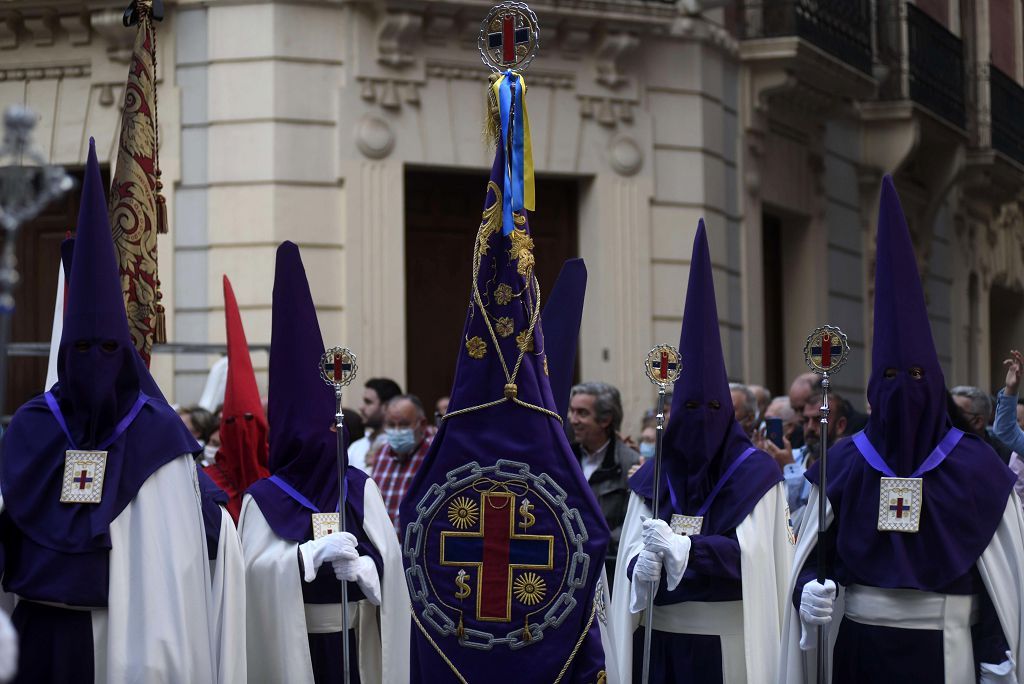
509,37
27,185
825,352
663,365
338,369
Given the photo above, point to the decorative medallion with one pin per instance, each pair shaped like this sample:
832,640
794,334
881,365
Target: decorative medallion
509,37
338,367
826,349
476,347
494,549
663,365
687,525
83,476
899,504
325,524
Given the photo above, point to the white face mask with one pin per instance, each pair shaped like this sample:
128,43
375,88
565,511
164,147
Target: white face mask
210,454
402,441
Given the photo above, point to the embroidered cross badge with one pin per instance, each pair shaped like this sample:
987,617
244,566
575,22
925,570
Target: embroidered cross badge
899,504
83,476
687,525
325,524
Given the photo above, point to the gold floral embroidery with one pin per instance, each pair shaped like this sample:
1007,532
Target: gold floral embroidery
491,220
476,347
504,326
524,340
522,251
503,294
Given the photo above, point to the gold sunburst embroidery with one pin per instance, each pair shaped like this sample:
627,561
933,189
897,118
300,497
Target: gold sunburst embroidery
463,513
503,294
524,340
529,588
503,326
476,347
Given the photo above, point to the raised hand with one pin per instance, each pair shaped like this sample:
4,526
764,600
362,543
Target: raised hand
1014,367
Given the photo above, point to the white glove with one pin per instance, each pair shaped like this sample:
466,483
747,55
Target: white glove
646,576
1003,673
815,609
335,546
8,649
673,548
363,572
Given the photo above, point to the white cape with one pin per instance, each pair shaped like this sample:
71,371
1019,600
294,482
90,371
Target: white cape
766,555
227,607
1001,566
156,627
276,632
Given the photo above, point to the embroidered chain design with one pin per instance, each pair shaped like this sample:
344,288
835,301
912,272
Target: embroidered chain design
573,527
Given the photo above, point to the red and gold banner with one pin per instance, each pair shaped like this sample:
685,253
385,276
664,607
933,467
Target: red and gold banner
137,209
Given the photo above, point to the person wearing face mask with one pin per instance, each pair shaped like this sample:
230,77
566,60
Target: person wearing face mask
101,526
718,556
407,442
923,540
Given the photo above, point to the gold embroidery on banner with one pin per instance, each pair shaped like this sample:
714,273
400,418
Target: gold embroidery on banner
490,221
529,588
522,251
463,512
504,327
476,347
524,340
136,207
503,294
464,589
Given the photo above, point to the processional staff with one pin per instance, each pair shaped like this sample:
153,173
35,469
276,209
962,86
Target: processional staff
663,367
825,352
338,369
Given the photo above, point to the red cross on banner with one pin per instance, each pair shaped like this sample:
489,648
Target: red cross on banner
496,550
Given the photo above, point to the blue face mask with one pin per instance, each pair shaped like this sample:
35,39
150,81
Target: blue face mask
647,450
402,441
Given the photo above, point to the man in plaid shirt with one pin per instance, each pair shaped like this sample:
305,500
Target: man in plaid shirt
406,445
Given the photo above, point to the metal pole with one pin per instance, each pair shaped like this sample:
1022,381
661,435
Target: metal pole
339,417
823,630
649,622
8,281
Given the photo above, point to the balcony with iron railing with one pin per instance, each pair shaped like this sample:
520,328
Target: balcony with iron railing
1007,114
841,28
923,59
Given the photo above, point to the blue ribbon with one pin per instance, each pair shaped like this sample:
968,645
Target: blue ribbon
510,104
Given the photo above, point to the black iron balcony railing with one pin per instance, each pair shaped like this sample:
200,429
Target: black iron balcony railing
936,67
1007,114
841,28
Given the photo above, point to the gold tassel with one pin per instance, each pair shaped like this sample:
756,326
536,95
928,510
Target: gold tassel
460,631
527,637
160,325
492,117
161,208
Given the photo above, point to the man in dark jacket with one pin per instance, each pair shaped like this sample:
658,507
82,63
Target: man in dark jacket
595,414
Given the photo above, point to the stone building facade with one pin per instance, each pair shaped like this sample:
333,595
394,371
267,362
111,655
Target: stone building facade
318,121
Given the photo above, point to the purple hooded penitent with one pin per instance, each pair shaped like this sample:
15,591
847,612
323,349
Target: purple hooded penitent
964,497
503,540
55,551
703,438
